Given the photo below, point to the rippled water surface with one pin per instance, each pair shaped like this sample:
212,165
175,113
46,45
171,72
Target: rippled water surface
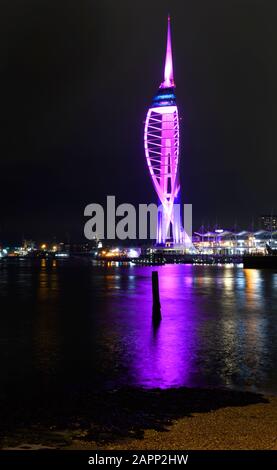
72,325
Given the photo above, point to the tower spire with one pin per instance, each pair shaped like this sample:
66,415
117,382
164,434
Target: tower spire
168,66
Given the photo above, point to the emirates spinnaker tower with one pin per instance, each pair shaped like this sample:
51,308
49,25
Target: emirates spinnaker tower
161,143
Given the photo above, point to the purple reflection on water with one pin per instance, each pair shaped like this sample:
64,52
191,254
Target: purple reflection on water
215,328
74,325
164,353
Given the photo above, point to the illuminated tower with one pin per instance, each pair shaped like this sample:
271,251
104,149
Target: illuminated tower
161,143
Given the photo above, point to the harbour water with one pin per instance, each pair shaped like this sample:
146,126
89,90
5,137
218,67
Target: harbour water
69,325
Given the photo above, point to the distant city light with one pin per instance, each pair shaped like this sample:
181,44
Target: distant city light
62,255
134,253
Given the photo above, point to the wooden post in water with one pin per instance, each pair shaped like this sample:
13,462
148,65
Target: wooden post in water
156,310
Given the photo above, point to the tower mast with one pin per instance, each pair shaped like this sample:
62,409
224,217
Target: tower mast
168,66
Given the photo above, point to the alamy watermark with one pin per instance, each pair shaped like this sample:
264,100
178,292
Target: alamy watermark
125,221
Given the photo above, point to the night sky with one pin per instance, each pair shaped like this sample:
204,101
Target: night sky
77,78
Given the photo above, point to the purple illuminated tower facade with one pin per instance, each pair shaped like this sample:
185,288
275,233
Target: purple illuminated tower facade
161,143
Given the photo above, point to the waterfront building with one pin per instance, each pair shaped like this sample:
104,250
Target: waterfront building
226,242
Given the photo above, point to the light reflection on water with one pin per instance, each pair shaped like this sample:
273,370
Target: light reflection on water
71,324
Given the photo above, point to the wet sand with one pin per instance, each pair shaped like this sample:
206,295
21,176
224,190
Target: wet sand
253,427
137,419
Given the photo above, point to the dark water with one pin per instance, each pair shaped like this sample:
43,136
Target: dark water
70,325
